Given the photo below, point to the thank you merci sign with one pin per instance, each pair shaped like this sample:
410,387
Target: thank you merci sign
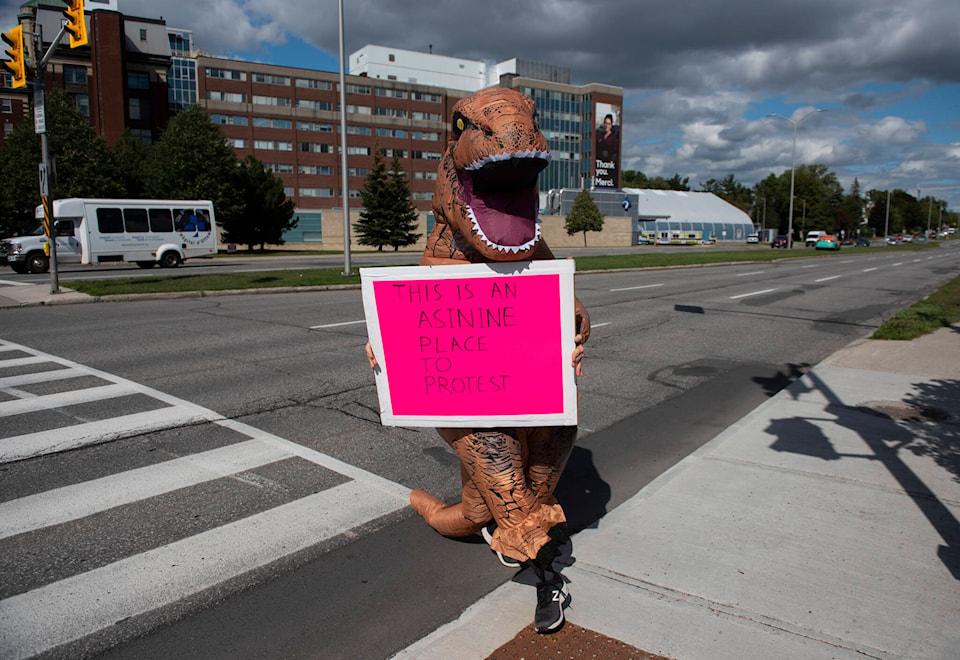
479,345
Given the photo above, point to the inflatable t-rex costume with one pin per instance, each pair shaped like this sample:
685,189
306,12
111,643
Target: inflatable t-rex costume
486,204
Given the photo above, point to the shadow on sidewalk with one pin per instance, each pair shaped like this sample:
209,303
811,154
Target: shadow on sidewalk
919,424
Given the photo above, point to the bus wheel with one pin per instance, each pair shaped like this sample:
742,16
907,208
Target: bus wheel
37,263
170,259
146,265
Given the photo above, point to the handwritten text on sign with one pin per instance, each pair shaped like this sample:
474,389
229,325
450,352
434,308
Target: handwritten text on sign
472,346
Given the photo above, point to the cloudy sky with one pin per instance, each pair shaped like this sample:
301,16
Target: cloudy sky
700,77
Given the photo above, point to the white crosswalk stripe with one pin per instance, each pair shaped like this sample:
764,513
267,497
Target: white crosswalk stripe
75,607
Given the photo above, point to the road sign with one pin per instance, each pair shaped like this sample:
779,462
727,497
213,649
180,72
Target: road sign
44,184
39,114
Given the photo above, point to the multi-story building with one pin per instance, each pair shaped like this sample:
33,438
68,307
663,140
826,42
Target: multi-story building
136,72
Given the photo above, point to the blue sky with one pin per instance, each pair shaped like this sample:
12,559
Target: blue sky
699,79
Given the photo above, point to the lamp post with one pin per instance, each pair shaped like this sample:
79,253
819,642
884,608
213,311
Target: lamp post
793,165
347,269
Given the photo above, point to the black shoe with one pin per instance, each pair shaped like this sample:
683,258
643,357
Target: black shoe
487,533
550,600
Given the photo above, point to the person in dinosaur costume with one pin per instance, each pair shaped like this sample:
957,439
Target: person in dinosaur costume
486,204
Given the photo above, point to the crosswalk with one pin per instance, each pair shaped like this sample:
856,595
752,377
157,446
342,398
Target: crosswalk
76,605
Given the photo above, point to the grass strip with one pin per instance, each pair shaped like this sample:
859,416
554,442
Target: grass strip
941,308
215,282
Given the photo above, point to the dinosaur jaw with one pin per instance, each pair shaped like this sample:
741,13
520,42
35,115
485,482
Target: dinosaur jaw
502,202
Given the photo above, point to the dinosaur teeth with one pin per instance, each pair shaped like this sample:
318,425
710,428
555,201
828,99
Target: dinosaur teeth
503,248
495,158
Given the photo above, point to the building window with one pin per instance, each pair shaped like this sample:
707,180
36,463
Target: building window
391,133
357,89
314,126
268,122
279,168
272,145
358,151
429,136
426,116
426,155
357,130
390,93
315,147
358,109
314,105
7,128
322,170
316,192
314,84
276,101
269,79
358,171
83,103
229,120
425,176
392,57
7,105
143,34
426,96
394,153
237,143
391,112
226,74
229,97
138,80
418,196
74,74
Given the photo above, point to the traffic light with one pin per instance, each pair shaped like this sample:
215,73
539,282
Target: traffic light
75,24
14,39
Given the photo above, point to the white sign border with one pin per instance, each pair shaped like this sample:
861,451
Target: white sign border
565,268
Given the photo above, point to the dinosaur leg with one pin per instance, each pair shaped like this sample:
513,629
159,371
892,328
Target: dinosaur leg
495,461
464,518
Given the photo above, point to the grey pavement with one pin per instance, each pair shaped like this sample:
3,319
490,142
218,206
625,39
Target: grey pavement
824,524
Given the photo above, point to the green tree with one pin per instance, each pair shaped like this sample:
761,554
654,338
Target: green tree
81,164
634,179
584,216
192,160
731,191
265,210
131,157
403,215
374,228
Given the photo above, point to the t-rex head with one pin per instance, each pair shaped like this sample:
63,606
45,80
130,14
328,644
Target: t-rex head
487,181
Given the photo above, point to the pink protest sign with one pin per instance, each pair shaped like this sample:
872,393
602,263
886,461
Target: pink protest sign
477,345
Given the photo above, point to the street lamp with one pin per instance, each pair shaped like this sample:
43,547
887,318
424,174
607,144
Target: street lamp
793,165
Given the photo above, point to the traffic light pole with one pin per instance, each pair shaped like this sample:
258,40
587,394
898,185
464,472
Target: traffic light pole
40,126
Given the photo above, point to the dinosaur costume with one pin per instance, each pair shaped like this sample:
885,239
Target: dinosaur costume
486,204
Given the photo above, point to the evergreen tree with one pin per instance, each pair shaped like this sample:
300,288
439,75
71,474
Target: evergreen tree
192,160
404,215
373,228
265,211
584,216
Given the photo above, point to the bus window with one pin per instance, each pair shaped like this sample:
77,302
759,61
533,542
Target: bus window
185,219
135,221
203,220
161,221
110,221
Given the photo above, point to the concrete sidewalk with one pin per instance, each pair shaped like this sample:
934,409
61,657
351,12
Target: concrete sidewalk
824,524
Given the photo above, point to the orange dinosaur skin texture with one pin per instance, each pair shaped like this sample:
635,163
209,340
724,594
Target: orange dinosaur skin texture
486,204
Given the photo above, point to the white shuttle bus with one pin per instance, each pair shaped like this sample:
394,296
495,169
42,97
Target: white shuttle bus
141,231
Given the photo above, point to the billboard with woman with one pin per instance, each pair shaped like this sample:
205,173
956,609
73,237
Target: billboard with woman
606,153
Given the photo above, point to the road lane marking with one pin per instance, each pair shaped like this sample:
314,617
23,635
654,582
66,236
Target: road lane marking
13,283
336,325
632,288
810,266
899,263
599,325
61,505
756,272
825,279
33,403
867,270
70,609
754,293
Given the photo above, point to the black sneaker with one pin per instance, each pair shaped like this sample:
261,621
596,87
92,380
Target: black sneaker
550,600
487,533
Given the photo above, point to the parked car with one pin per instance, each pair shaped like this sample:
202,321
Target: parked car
814,236
863,242
919,238
779,242
892,240
753,238
827,242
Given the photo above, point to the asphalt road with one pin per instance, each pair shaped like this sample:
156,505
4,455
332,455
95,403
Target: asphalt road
676,355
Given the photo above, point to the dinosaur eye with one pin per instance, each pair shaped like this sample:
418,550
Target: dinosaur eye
460,124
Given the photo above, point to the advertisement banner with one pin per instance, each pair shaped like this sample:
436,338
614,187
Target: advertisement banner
606,153
478,345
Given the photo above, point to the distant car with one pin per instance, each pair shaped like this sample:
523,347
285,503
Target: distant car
827,242
919,238
906,238
779,242
753,238
892,240
863,242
